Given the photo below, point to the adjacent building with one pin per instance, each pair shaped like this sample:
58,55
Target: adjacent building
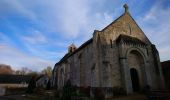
166,72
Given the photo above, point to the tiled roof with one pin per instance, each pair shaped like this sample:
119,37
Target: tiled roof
165,65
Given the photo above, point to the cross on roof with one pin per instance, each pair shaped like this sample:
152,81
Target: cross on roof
126,7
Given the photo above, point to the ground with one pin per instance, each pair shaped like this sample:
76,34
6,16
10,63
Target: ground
27,97
132,97
41,97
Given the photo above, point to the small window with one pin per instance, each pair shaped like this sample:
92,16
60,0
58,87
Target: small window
93,67
111,43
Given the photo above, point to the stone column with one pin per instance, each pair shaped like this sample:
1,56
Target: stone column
126,75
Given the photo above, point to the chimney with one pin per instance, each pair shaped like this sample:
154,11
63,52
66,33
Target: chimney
71,48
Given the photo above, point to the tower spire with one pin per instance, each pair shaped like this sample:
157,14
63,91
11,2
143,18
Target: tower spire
126,8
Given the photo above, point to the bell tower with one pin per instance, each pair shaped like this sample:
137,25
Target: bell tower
71,48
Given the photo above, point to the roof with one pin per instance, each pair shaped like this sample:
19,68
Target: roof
165,65
40,76
5,78
78,49
129,39
113,22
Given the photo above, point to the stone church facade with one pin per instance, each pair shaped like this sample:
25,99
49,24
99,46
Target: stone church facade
120,55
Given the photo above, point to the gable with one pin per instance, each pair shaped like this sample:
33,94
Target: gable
125,25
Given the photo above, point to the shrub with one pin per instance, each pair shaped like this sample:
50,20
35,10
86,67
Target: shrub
85,91
68,89
98,94
31,85
73,91
118,91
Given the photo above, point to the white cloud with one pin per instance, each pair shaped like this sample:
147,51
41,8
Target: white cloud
73,20
39,44
164,53
15,6
67,17
156,24
35,37
3,38
17,59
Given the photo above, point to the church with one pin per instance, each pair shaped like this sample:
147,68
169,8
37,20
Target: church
120,55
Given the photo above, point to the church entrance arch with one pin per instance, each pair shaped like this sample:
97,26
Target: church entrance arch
136,69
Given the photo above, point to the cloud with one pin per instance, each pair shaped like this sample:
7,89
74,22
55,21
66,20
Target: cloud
8,7
40,44
164,53
3,38
50,26
17,59
65,17
155,23
71,20
35,37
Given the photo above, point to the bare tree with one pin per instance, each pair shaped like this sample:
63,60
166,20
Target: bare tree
25,71
47,71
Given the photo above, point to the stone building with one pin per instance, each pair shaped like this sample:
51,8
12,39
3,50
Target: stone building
42,81
120,55
166,72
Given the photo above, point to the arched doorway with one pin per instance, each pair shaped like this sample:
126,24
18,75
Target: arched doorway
136,69
135,79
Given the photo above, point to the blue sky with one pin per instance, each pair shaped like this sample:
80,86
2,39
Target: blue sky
36,33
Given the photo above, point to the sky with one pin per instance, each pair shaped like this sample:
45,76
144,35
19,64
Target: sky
37,33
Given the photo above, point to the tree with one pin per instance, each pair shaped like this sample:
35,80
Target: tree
33,73
31,85
22,71
47,71
26,71
5,69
